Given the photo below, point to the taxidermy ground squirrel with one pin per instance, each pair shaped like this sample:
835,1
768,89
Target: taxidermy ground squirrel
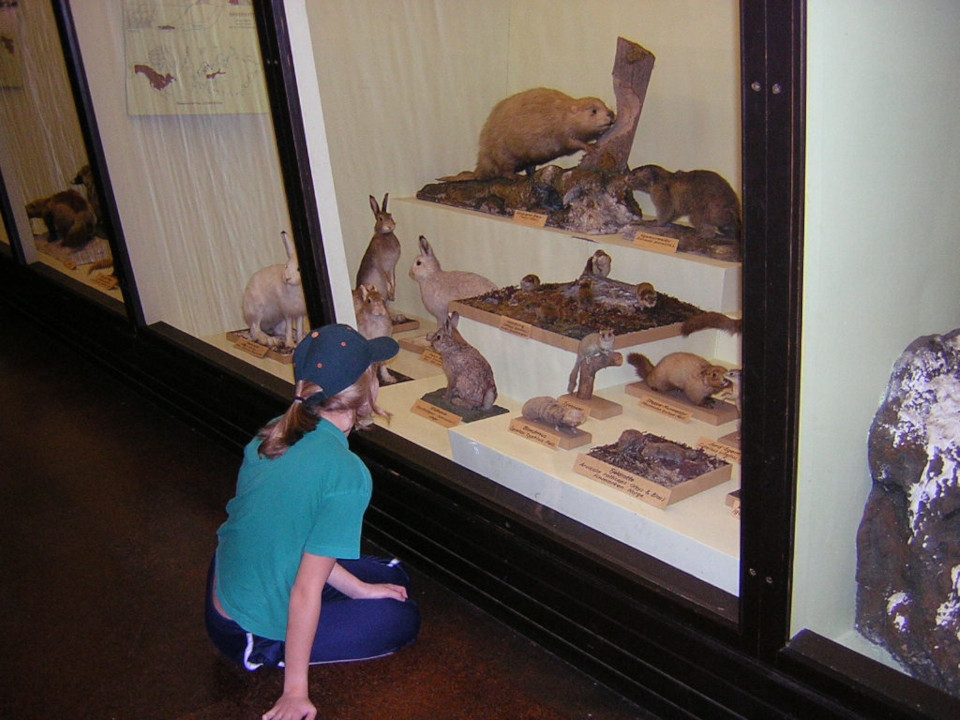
702,195
534,127
596,343
690,373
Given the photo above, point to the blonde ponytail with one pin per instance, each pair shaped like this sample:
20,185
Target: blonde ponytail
302,416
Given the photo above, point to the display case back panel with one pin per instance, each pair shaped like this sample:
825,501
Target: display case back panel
196,172
873,281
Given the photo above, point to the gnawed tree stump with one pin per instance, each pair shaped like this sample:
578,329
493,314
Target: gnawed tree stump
632,68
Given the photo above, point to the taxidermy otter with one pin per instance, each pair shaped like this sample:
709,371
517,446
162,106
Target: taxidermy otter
690,373
702,195
68,217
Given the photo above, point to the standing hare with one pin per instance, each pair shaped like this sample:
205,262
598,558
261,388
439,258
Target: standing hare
373,321
439,287
378,267
273,304
470,382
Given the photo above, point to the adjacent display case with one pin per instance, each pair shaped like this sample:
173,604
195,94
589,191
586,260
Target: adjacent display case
53,194
855,330
243,146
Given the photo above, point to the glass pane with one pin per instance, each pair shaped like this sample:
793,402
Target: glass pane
46,169
877,533
188,137
397,118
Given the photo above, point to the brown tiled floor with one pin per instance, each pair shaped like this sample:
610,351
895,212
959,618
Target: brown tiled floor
108,513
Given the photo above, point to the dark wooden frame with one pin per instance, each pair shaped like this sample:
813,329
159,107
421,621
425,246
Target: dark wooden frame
677,650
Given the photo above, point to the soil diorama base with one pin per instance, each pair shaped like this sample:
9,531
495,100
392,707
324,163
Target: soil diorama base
557,313
660,478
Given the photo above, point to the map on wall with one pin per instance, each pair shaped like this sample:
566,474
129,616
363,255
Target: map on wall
10,75
192,57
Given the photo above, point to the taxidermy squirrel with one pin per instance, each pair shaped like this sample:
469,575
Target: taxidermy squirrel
596,343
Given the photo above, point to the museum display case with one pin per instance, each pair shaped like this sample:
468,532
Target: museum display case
182,104
693,87
246,146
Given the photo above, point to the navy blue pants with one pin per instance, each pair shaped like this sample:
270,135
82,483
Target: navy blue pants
348,629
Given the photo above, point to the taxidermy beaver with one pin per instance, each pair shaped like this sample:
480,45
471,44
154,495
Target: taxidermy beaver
68,217
702,195
534,127
696,377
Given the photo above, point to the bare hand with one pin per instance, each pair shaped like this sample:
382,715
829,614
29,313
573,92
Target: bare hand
377,591
291,707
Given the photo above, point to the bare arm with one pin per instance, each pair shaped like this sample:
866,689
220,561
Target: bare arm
304,615
353,587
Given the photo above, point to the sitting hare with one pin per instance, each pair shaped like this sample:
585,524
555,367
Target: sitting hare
273,304
439,287
470,382
373,321
378,267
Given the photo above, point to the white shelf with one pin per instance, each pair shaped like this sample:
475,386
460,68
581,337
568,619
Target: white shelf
699,535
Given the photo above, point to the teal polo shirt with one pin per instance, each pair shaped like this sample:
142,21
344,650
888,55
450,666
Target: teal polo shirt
310,499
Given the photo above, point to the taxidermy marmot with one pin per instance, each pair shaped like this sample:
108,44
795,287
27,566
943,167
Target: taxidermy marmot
690,373
702,195
534,127
68,217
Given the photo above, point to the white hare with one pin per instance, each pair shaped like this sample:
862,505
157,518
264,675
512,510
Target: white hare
273,303
439,287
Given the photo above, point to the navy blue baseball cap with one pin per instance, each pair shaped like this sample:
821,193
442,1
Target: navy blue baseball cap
335,356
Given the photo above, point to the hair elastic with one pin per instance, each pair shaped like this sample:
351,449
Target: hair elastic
297,399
